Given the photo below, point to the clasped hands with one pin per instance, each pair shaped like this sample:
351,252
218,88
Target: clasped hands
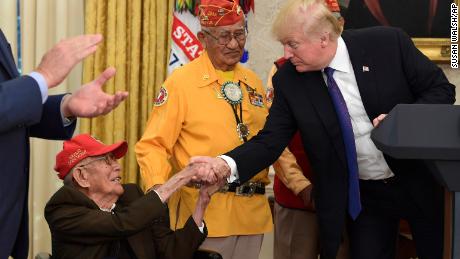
210,172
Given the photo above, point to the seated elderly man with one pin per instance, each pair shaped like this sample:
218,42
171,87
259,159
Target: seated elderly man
94,216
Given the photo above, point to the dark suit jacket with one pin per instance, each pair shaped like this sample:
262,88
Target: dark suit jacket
80,229
22,115
398,73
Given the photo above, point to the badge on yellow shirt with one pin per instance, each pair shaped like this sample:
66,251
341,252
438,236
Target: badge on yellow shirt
270,94
162,97
255,98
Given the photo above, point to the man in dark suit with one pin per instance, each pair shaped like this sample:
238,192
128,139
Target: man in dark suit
26,111
335,88
94,216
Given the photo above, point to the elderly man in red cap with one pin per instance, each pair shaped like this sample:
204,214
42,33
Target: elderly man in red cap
94,216
208,107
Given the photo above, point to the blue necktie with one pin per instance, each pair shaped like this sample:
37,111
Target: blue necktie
354,202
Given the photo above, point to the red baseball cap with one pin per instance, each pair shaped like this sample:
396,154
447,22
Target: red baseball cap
81,147
333,5
214,13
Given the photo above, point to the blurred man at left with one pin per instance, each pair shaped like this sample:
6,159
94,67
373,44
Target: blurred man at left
26,111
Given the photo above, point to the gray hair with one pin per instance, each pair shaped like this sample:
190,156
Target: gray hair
68,179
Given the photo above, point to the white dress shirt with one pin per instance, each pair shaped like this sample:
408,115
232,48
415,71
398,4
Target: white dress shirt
371,164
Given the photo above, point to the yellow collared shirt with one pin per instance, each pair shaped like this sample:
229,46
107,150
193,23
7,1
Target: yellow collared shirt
195,120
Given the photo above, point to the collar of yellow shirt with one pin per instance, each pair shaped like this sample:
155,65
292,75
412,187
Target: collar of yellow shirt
209,75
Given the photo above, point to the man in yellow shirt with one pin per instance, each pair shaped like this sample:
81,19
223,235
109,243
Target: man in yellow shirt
208,107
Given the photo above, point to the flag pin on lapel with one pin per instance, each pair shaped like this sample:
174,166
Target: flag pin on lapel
365,69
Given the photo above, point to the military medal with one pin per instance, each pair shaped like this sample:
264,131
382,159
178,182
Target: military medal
232,93
256,99
270,94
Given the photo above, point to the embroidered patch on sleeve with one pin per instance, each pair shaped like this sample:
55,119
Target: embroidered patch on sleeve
162,97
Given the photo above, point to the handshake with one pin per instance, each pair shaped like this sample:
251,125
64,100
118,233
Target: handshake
207,172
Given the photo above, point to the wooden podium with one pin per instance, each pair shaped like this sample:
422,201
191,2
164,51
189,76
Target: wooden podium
430,132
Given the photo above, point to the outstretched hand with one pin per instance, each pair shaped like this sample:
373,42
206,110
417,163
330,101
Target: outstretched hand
206,191
57,63
90,100
210,189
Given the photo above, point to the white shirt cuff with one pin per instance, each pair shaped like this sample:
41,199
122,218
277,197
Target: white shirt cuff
202,227
233,169
41,84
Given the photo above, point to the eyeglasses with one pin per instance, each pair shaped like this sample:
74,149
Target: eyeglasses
107,158
225,37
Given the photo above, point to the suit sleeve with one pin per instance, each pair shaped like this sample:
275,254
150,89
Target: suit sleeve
20,103
286,167
156,145
21,106
181,243
428,82
50,125
264,148
78,222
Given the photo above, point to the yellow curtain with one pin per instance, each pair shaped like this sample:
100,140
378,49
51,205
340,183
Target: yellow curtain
137,41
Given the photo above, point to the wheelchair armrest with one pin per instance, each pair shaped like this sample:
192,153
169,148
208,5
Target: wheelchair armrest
206,254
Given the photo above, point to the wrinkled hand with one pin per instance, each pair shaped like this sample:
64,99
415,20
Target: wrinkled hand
57,63
205,195
210,189
379,119
204,198
203,173
90,101
212,170
305,195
